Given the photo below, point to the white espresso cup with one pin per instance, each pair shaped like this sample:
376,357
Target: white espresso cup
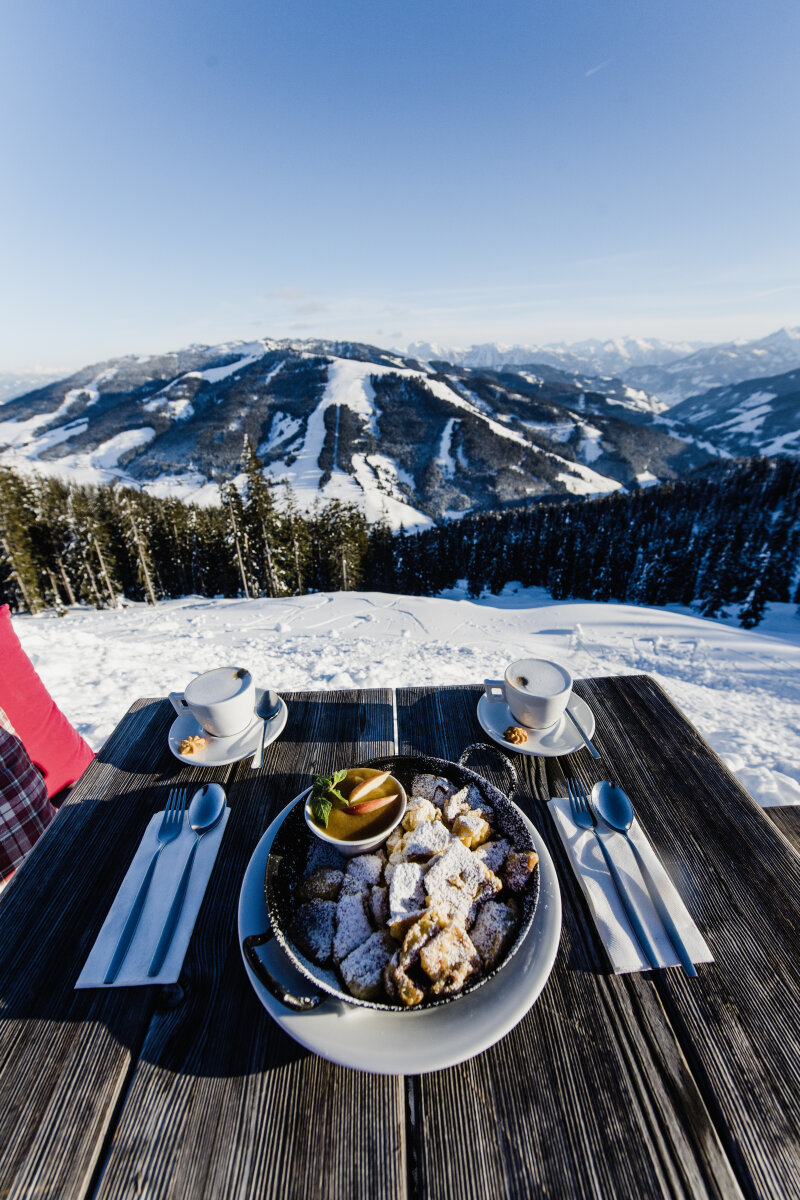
222,700
537,690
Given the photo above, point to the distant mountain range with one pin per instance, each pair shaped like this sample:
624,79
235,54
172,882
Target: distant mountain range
667,371
410,442
614,356
17,383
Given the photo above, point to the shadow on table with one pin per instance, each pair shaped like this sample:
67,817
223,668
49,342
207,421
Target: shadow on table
211,1022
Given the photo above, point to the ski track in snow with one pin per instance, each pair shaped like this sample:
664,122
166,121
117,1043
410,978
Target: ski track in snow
740,688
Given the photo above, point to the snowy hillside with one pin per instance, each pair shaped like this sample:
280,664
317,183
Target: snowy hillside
406,442
741,689
761,416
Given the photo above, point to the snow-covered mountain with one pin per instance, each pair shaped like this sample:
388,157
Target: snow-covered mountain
760,416
663,373
714,366
408,442
615,356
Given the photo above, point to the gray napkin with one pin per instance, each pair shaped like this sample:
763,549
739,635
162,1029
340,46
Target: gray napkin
159,899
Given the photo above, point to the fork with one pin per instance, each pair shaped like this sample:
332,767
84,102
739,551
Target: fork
583,816
170,827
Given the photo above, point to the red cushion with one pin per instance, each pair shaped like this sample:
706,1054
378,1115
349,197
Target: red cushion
53,745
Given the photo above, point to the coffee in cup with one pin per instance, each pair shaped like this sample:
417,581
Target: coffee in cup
222,700
537,690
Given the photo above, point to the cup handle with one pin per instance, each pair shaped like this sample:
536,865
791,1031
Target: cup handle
178,703
491,688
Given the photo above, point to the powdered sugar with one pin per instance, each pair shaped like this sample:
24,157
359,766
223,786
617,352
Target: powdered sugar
367,867
352,925
406,892
431,837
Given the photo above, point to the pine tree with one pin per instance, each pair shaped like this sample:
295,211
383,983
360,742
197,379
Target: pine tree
136,527
238,532
18,552
297,544
262,526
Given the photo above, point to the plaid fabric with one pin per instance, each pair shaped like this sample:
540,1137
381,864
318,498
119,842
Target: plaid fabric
25,811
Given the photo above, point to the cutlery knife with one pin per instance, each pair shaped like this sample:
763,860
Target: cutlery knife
586,740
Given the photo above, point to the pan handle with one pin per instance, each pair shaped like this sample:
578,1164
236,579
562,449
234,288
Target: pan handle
505,760
282,994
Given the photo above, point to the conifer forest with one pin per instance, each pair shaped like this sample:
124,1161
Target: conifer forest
726,539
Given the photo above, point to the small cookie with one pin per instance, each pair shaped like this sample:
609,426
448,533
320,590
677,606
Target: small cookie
190,745
516,735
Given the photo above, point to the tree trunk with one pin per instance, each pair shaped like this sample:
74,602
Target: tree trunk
31,607
148,584
65,580
297,572
272,582
238,551
104,572
92,581
54,586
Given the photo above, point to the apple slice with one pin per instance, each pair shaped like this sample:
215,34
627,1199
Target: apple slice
370,805
363,789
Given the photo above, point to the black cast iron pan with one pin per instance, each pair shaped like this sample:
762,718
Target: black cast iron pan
287,866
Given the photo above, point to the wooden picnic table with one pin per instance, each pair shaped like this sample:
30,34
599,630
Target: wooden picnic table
626,1086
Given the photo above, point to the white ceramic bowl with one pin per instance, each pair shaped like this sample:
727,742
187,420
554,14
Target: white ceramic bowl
365,845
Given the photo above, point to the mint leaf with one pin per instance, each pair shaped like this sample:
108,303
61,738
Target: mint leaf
324,792
326,784
320,809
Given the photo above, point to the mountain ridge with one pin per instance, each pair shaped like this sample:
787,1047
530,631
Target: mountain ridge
668,372
410,443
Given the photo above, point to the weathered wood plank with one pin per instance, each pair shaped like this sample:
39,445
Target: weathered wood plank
740,879
788,821
65,1055
222,1102
591,1094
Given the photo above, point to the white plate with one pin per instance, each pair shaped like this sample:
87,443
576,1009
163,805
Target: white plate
221,752
561,738
406,1043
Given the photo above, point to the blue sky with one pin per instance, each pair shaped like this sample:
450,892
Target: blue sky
181,172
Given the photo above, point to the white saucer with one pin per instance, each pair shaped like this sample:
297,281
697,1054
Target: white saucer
221,752
406,1043
561,738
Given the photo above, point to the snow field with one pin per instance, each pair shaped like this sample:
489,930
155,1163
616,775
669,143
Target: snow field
740,688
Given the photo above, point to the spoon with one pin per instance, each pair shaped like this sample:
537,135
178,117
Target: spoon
267,707
616,809
205,811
